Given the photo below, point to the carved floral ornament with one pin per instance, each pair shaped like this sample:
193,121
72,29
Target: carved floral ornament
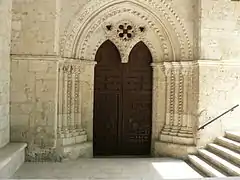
153,22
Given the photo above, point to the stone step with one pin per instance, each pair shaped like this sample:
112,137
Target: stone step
73,152
204,167
230,144
235,136
224,152
12,156
226,166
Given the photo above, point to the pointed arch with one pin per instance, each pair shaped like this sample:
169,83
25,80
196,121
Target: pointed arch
140,55
108,54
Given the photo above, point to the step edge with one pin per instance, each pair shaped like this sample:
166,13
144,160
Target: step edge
209,170
4,161
222,149
235,170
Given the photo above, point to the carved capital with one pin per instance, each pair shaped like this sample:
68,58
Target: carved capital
159,66
168,68
176,67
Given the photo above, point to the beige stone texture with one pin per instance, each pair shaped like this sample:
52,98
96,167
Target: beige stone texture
218,67
33,94
5,38
219,91
220,30
34,27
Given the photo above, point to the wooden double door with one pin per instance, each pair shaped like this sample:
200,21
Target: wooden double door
122,119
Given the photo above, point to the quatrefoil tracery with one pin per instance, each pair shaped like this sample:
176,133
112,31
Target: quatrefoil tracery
125,30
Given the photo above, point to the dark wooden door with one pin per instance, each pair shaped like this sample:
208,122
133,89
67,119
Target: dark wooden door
122,102
137,101
107,99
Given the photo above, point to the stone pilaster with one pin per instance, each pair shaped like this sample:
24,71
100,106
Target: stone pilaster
69,98
177,128
169,94
187,88
177,97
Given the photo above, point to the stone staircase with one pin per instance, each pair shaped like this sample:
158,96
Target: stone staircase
219,159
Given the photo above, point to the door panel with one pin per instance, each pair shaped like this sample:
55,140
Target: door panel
137,101
122,102
107,97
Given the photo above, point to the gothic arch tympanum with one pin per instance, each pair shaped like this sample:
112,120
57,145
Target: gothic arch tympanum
122,121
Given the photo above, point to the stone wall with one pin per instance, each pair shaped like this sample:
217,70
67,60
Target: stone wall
219,68
35,27
34,49
220,30
33,107
5,37
219,86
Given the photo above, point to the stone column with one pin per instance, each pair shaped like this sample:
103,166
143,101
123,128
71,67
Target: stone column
77,98
177,98
60,99
169,95
65,99
69,103
186,71
159,86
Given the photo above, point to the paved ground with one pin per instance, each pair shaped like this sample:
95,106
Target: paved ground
110,169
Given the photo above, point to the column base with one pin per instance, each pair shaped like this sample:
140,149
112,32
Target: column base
166,149
176,139
75,151
70,133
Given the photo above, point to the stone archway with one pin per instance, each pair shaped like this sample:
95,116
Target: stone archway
155,24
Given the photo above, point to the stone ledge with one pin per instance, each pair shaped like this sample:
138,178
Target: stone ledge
173,150
11,158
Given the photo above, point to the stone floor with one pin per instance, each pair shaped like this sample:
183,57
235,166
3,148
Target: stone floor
110,169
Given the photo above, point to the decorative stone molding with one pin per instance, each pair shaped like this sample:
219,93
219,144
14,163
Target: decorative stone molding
69,100
179,123
164,29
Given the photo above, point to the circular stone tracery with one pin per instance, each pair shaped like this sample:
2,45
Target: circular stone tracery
125,31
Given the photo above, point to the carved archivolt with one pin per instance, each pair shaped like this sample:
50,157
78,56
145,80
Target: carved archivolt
163,32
